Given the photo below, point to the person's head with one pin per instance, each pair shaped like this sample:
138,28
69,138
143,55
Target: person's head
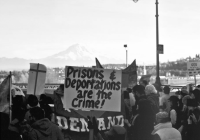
184,90
192,103
144,83
185,99
61,87
129,90
36,113
158,87
32,100
60,90
162,117
126,95
196,94
150,89
144,107
139,90
116,132
18,100
166,90
173,102
43,97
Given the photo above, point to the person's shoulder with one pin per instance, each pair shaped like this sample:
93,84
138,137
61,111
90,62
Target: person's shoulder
53,124
156,137
165,97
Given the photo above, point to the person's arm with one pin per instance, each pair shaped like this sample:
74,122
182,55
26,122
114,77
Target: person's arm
161,103
173,116
32,135
127,123
60,135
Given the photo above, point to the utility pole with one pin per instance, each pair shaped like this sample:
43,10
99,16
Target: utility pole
125,46
157,44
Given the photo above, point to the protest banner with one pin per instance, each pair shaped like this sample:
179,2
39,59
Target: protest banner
98,64
70,120
5,94
36,80
129,76
92,89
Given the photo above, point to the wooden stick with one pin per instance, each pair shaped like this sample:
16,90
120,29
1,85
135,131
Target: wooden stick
10,102
91,131
195,80
36,78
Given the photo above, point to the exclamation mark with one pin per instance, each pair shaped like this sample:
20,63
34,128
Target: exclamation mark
102,103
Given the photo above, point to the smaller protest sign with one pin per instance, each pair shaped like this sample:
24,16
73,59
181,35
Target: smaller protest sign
129,76
145,78
92,89
160,49
36,80
193,68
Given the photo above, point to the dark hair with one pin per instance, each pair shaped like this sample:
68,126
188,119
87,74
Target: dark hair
129,90
166,90
139,88
126,95
32,100
174,100
43,97
145,82
62,87
196,93
17,100
37,112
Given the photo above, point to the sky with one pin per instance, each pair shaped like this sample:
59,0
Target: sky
33,29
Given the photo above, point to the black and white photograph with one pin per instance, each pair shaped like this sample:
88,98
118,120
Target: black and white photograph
99,70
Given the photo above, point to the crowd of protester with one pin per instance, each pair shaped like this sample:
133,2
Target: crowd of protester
150,114
158,114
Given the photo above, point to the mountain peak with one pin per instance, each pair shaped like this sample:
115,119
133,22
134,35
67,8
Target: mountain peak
74,52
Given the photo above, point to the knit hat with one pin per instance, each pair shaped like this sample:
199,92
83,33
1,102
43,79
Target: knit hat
116,130
162,115
150,89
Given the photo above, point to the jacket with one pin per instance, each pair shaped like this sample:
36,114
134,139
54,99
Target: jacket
45,130
165,131
154,99
141,128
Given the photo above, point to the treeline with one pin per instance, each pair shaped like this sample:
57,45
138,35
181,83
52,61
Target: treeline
56,75
22,76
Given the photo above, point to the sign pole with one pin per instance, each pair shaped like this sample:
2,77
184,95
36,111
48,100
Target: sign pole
195,80
36,78
10,102
91,131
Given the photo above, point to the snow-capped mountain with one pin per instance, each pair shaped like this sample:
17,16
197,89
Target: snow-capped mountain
75,55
